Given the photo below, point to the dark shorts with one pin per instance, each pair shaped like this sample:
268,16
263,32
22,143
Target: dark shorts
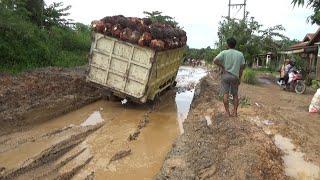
229,84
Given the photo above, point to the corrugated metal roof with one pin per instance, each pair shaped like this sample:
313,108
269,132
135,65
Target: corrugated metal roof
308,40
308,37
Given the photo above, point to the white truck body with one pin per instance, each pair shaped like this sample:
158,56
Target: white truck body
130,71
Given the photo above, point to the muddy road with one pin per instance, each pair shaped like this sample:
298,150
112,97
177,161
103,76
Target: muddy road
284,116
103,139
55,125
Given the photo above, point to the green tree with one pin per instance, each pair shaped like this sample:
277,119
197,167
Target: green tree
315,5
245,32
56,15
156,16
251,38
25,45
206,54
36,11
269,38
16,6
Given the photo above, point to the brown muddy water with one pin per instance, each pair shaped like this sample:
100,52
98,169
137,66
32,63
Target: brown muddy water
160,126
295,164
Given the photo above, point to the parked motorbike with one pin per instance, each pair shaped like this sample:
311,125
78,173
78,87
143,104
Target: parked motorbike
296,83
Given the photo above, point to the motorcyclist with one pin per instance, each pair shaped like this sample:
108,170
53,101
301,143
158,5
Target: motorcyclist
287,70
281,80
291,73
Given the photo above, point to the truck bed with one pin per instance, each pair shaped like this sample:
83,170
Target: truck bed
131,71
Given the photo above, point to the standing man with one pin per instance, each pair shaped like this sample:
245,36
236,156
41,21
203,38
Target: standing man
232,63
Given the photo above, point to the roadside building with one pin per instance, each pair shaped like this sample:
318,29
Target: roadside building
266,60
308,50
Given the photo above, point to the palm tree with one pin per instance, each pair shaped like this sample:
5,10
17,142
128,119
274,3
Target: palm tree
36,9
315,5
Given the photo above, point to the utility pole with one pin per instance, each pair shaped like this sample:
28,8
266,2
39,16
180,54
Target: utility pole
243,5
244,9
229,12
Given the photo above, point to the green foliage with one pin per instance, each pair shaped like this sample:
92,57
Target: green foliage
55,15
206,54
300,63
156,16
315,84
245,101
251,39
313,4
35,9
25,45
249,76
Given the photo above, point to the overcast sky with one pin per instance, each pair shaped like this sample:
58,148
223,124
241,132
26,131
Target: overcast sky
200,17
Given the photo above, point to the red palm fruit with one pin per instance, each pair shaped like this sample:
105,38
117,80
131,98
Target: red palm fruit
184,39
147,36
157,44
108,26
116,31
168,43
125,34
134,38
98,26
141,41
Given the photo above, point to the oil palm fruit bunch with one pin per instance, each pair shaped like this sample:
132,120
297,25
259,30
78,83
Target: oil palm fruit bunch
144,32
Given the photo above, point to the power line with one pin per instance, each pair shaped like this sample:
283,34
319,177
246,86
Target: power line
240,6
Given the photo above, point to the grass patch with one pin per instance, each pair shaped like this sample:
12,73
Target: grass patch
244,101
315,84
249,76
64,59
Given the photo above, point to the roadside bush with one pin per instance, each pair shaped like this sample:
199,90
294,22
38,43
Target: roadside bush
315,84
24,45
249,76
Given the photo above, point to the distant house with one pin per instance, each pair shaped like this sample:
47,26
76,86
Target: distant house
267,60
308,49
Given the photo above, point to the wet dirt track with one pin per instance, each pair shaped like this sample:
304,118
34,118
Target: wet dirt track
106,140
112,141
284,116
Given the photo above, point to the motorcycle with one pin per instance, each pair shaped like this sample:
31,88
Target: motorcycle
295,83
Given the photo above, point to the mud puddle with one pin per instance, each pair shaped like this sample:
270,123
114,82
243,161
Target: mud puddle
295,165
187,79
294,161
133,141
265,81
147,152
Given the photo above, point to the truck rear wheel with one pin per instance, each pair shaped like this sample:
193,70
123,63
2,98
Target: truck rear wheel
110,97
174,84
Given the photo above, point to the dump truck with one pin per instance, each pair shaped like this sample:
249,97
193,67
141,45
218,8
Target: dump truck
131,71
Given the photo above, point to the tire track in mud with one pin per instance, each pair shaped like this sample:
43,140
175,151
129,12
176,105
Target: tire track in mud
54,161
71,150
48,154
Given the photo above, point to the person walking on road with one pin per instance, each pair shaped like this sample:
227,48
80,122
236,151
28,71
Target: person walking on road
232,63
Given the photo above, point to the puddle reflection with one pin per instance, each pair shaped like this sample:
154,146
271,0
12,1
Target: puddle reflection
187,79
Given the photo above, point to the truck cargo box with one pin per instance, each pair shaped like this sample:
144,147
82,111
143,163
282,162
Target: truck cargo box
131,71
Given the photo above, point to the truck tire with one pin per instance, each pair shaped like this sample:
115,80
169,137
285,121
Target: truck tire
174,84
110,97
